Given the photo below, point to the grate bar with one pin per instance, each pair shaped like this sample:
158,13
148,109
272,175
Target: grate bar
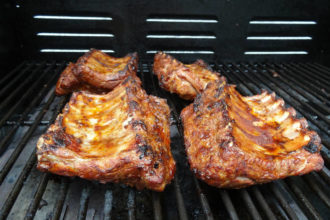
315,79
278,84
25,95
182,210
293,102
22,85
157,206
296,81
323,69
304,201
325,173
61,198
18,149
284,202
26,122
8,202
202,197
308,77
24,140
298,195
131,204
32,104
11,73
249,204
253,89
317,189
35,202
229,205
306,95
84,198
262,202
315,70
14,81
290,74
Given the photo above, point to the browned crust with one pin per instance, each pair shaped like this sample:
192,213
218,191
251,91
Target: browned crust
144,162
186,80
103,76
216,156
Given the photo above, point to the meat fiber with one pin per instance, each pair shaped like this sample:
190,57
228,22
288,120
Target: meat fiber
234,141
122,136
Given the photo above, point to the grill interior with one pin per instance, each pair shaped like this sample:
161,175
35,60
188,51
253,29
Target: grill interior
28,106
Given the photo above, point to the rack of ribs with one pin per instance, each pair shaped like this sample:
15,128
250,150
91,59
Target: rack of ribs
96,72
234,141
186,80
121,136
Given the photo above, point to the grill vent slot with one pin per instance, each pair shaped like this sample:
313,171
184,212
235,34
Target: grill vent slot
182,51
279,37
71,34
50,34
181,20
69,17
274,22
184,35
72,50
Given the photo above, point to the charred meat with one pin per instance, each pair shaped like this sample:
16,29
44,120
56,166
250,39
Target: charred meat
234,141
121,136
96,72
186,80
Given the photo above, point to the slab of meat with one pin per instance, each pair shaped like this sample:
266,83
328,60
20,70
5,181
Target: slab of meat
234,141
122,136
96,72
186,80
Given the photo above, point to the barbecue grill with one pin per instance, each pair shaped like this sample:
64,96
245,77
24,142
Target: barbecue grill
279,46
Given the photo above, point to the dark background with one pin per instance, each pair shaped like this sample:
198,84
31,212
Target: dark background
19,40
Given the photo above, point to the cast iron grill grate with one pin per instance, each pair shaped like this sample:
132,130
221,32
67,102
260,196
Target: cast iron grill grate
28,105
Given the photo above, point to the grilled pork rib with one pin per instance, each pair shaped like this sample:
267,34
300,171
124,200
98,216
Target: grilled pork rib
96,72
122,136
234,141
186,80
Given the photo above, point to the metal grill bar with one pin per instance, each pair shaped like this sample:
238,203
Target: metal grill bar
229,204
11,73
202,197
317,189
8,202
25,96
312,70
262,202
321,70
251,207
14,81
131,204
21,85
292,101
304,94
305,202
256,91
284,202
157,91
290,200
9,135
308,76
289,74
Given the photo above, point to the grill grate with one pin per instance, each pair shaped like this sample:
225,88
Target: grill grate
29,194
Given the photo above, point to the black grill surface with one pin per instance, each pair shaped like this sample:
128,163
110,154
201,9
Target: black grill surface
28,106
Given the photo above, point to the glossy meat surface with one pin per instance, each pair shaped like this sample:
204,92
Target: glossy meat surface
96,72
122,136
186,80
234,141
